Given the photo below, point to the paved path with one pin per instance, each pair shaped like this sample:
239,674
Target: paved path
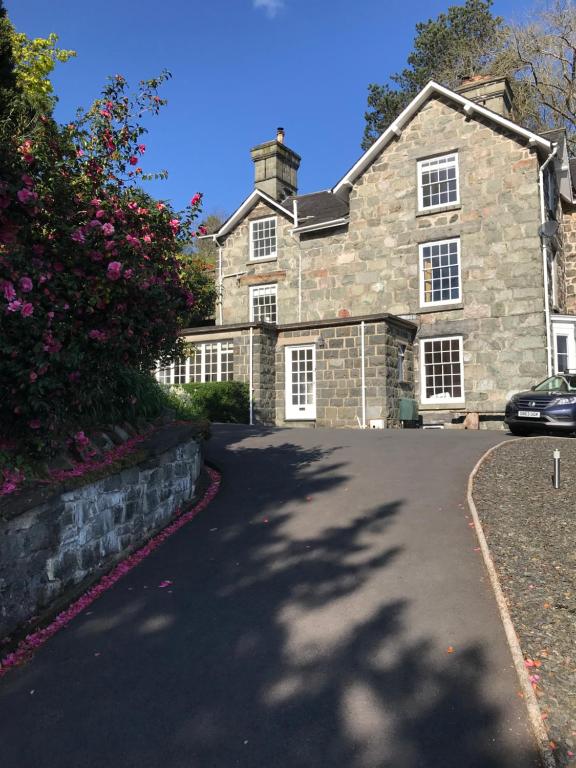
308,625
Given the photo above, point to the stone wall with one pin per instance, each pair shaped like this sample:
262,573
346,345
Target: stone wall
339,371
372,266
569,243
49,544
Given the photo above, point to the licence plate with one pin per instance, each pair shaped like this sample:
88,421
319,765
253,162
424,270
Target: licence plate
529,414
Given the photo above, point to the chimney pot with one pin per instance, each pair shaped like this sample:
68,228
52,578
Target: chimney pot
280,135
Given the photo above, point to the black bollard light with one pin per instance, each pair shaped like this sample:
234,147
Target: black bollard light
556,477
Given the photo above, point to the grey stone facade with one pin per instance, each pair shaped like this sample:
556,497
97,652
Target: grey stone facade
338,367
370,264
49,547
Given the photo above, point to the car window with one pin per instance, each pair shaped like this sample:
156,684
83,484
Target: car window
553,384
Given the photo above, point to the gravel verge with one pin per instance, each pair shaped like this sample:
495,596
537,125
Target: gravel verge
531,530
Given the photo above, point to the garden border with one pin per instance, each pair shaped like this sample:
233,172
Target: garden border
28,646
533,708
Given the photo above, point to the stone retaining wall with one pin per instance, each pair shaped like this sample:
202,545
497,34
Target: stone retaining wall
48,545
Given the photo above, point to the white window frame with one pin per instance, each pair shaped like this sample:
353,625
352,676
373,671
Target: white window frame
421,207
189,374
421,247
440,400
568,330
252,226
254,290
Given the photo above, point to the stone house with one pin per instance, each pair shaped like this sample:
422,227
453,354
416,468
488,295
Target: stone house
439,268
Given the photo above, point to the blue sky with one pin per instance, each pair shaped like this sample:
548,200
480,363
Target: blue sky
240,69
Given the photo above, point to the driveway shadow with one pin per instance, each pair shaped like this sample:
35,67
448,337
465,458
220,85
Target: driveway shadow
272,647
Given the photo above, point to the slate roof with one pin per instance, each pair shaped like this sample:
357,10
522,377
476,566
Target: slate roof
317,207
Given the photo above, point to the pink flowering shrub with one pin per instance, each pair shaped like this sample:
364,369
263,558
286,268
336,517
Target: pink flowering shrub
90,282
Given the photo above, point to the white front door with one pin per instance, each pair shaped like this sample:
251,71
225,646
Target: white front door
301,382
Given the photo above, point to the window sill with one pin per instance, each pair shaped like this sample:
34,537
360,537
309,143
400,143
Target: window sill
448,406
440,209
439,308
251,262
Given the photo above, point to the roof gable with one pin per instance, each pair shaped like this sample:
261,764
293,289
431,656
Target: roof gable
432,89
253,199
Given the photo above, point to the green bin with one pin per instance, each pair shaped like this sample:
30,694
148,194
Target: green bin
408,409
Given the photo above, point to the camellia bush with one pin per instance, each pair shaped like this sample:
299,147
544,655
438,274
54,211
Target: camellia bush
90,282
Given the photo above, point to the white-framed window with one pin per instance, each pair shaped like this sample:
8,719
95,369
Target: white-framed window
263,239
211,361
441,370
440,274
438,182
264,303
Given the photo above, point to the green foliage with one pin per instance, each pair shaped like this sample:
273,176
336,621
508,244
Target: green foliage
221,401
457,44
90,281
198,276
34,61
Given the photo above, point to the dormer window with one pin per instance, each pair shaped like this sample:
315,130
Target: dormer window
438,182
263,239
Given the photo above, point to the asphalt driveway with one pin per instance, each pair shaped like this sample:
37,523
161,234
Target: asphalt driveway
328,609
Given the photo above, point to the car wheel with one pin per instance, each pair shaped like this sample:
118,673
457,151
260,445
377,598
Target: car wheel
519,431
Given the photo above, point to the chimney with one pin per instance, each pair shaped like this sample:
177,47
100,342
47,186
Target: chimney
491,92
276,167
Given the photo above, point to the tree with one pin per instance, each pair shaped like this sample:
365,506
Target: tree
90,283
8,86
26,65
543,53
460,43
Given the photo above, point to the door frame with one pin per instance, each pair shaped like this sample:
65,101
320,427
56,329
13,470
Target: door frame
292,412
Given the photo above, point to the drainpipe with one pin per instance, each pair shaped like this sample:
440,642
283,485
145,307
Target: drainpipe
363,374
220,283
299,263
250,379
545,261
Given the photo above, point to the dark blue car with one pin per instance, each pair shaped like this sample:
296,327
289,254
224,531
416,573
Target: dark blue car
549,406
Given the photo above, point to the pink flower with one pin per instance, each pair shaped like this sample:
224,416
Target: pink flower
26,196
141,148
9,292
196,199
96,202
27,180
96,256
105,113
27,309
114,270
78,236
128,273
97,335
133,206
33,376
160,206
14,306
109,245
174,225
100,213
51,345
25,284
34,424
202,230
95,223
133,241
108,229
147,238
133,160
